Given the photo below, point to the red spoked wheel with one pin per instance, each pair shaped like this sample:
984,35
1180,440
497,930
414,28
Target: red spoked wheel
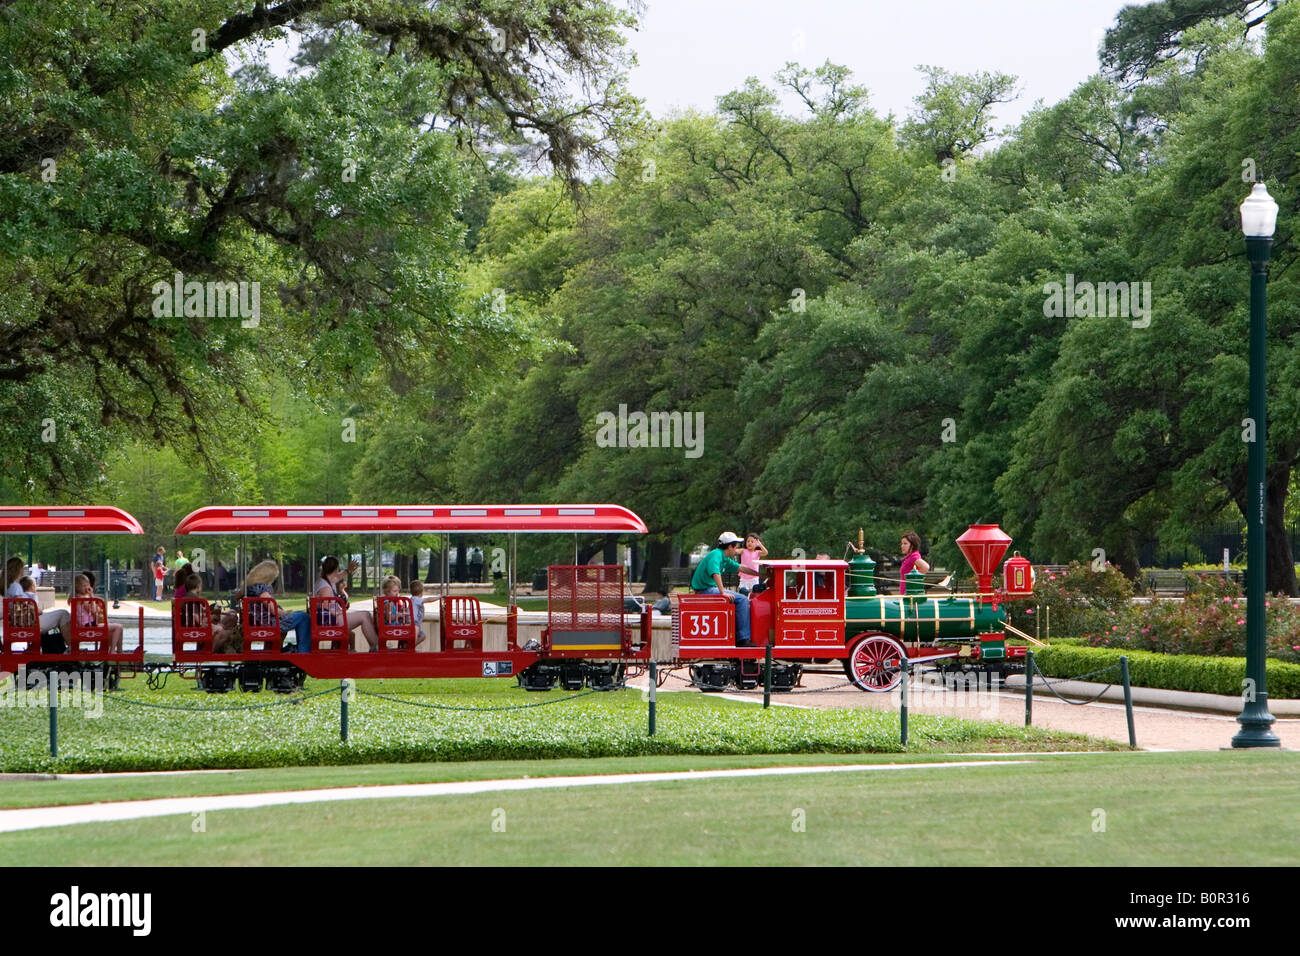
875,663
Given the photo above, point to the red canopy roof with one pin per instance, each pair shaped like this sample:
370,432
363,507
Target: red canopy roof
412,519
90,519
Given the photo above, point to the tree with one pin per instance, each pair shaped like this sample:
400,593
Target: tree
953,115
1145,35
130,154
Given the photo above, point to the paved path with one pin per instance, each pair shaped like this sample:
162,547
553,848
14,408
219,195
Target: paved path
1156,728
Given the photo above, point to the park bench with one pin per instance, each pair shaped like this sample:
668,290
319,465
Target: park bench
681,578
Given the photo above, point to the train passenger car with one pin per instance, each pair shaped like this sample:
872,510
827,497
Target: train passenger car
24,647
587,639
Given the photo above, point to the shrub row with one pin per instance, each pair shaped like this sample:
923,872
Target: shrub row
1206,675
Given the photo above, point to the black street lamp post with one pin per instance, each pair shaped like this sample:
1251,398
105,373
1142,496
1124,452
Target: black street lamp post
1258,220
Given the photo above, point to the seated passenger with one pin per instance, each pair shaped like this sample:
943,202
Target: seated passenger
418,601
224,624
708,580
51,619
823,581
258,583
92,614
331,583
393,613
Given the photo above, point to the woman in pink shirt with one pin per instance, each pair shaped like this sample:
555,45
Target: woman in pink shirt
911,547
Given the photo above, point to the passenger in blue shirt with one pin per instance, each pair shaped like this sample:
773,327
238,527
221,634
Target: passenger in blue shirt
707,579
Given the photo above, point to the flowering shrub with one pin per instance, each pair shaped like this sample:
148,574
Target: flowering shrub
1080,600
1210,621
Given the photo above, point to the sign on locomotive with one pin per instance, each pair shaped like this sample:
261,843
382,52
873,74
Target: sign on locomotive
804,611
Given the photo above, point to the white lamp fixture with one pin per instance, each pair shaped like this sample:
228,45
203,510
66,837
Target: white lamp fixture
1259,214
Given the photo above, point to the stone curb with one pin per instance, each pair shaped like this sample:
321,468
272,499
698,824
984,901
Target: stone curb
1153,696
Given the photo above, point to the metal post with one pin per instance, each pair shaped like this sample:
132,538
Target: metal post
654,686
902,711
54,711
510,571
379,569
1256,722
344,687
1128,700
767,675
1029,688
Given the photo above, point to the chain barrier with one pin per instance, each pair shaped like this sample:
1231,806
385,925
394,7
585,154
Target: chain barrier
271,703
1075,703
416,703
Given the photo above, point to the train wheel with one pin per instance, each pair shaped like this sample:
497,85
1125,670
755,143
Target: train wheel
876,663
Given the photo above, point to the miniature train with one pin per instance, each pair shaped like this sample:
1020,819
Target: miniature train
804,611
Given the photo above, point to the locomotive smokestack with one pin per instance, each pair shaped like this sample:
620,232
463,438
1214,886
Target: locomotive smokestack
983,545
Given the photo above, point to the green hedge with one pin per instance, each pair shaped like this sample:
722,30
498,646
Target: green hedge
1205,675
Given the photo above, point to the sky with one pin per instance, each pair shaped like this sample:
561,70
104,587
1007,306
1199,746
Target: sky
691,51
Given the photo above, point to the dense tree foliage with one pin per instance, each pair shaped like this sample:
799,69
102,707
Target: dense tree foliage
856,310
131,153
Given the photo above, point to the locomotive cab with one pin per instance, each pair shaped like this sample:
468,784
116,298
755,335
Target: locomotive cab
800,607
807,602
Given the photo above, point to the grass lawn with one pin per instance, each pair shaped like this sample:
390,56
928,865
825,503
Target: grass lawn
134,733
1159,809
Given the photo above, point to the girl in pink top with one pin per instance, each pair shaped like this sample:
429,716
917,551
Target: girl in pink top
911,547
749,556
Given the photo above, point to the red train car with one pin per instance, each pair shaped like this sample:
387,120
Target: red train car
22,645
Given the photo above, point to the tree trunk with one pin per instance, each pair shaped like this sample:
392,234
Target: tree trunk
1277,546
1279,574
1125,557
589,549
658,554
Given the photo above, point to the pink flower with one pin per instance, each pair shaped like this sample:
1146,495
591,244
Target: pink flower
1240,622
1114,627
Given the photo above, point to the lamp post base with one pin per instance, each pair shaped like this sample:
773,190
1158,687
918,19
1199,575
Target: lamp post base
1256,728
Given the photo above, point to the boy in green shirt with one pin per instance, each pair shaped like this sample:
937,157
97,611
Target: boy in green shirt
707,579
